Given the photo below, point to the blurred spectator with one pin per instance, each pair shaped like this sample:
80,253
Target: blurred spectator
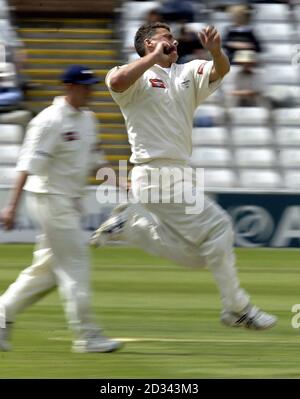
154,16
11,47
240,35
4,10
177,11
11,95
189,46
248,85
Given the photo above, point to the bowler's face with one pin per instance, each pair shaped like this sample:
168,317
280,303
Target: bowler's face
163,35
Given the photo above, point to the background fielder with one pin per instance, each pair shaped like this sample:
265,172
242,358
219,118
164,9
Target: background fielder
53,166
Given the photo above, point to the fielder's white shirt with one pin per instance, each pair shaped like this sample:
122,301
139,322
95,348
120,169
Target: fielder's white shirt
57,150
158,109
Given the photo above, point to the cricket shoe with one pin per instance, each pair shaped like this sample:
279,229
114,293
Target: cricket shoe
5,334
111,230
252,318
97,344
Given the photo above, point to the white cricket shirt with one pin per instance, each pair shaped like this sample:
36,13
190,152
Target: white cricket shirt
158,109
57,149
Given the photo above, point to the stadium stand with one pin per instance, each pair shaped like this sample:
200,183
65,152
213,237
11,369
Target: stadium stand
220,178
288,136
280,53
255,157
282,74
208,156
256,116
260,179
10,141
11,134
9,154
290,158
19,117
13,116
271,32
72,32
292,179
286,116
7,175
272,12
264,141
212,136
249,136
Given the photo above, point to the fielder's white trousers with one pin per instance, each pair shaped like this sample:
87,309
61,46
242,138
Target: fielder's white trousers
60,259
203,239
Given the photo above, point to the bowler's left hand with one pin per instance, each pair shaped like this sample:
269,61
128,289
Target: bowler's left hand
210,39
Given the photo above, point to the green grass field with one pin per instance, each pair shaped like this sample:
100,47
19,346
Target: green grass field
168,317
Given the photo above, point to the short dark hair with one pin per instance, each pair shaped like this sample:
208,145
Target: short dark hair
146,31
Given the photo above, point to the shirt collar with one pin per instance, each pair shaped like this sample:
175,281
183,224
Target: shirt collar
164,69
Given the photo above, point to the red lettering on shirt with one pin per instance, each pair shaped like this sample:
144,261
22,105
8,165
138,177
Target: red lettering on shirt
201,67
157,83
70,136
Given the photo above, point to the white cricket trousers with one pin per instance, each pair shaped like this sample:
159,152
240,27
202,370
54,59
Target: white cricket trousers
60,259
203,239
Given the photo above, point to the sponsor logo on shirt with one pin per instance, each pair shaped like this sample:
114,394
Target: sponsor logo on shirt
157,83
186,83
70,136
201,67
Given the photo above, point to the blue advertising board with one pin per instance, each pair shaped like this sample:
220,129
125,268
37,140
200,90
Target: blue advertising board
264,220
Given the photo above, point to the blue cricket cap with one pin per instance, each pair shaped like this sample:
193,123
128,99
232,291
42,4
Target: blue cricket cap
79,74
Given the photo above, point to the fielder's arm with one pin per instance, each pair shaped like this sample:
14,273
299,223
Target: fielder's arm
211,40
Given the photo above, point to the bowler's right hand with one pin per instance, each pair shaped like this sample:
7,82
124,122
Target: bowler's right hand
162,51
